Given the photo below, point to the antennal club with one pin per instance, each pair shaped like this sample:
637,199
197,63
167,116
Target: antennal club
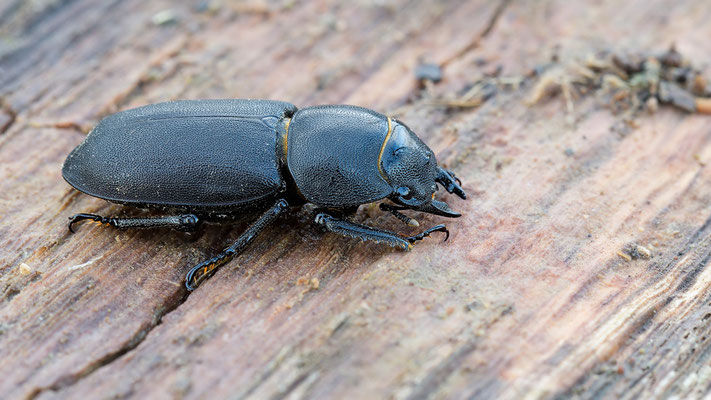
450,182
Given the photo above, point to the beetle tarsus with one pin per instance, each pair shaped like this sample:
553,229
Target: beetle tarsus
206,269
82,216
436,228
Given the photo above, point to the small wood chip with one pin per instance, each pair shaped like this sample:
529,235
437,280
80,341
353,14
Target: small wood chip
673,94
624,255
644,252
703,105
25,269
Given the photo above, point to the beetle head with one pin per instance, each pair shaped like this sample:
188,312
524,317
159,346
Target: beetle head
412,171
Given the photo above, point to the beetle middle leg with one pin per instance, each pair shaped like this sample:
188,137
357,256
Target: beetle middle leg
185,222
207,268
395,211
364,232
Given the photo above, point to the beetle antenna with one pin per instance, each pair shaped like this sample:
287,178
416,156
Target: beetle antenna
450,182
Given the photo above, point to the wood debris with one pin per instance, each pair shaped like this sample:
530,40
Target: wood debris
427,72
634,251
628,82
25,269
472,96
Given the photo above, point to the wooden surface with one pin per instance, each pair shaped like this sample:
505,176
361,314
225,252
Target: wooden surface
535,295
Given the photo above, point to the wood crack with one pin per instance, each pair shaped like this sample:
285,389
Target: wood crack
11,116
643,322
481,36
553,201
71,379
434,381
145,79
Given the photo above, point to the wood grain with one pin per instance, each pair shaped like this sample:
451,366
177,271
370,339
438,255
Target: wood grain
535,295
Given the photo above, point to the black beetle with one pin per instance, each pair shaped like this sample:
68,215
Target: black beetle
216,159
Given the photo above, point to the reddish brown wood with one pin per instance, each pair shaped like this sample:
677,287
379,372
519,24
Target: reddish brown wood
535,295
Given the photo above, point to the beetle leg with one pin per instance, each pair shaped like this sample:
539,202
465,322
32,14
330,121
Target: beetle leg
185,222
207,268
364,232
436,228
395,211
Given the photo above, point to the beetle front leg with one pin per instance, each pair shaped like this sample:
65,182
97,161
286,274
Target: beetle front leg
364,232
206,269
185,222
428,232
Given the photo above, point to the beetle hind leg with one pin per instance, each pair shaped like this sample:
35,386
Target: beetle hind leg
185,222
206,269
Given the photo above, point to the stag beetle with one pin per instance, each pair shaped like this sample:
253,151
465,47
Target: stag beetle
211,160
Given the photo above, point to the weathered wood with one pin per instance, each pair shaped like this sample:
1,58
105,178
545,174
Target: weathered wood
529,298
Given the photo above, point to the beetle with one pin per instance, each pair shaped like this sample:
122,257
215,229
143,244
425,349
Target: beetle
215,160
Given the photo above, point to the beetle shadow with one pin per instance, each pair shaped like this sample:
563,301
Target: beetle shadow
295,246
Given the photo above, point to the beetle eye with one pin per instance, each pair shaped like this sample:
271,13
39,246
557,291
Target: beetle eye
404,192
429,159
